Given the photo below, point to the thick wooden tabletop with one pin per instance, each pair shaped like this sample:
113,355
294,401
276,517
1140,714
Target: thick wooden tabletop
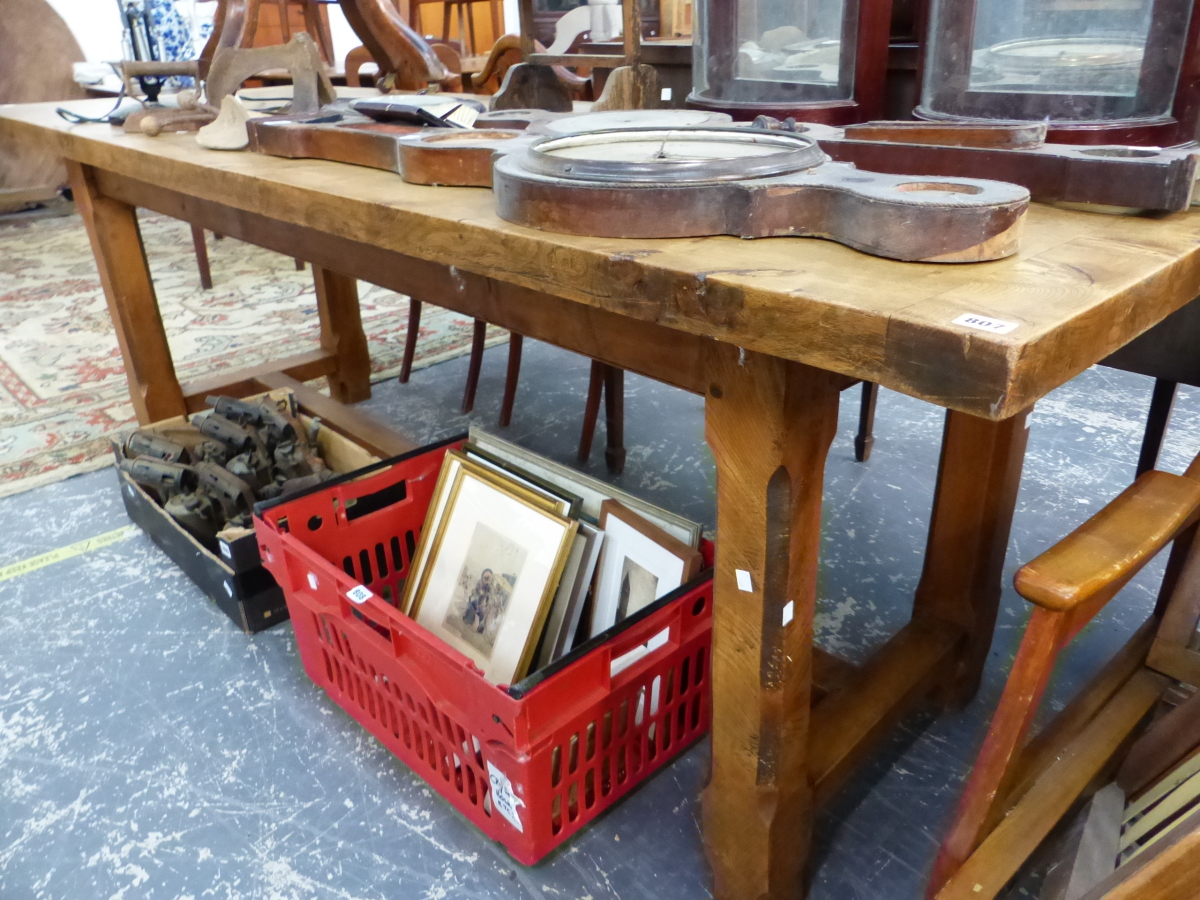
1083,284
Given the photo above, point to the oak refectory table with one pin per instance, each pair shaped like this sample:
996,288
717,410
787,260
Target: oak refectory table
769,331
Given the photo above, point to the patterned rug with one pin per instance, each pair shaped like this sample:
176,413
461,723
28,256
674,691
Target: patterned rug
62,383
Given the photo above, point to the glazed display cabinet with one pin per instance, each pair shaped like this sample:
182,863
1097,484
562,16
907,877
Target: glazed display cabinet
1097,71
815,60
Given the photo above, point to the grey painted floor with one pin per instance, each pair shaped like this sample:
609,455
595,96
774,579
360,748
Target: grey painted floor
149,749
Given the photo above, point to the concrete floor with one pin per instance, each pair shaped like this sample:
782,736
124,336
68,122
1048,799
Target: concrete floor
150,749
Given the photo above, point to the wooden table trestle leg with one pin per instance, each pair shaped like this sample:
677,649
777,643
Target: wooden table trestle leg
342,335
116,241
769,424
978,477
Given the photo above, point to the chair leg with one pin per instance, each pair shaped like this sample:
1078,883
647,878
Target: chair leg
1005,738
477,339
494,6
410,339
468,36
614,419
865,439
445,21
284,25
299,264
319,29
202,257
515,344
592,411
1161,402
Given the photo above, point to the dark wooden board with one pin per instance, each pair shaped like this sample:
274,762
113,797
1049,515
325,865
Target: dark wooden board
1128,177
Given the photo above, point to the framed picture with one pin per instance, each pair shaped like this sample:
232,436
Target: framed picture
577,578
573,502
639,562
492,566
454,460
592,491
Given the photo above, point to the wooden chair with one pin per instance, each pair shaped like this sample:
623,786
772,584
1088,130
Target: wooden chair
1170,354
505,54
466,30
312,18
605,380
1139,837
1020,789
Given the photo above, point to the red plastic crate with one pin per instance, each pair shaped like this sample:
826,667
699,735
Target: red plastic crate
529,764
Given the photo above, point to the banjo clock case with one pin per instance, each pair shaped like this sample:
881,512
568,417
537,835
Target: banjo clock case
1101,72
821,61
692,182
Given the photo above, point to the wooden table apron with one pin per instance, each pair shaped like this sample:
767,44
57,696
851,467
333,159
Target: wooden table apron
768,331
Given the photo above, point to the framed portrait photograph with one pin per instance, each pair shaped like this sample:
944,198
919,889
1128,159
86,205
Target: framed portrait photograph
639,562
492,567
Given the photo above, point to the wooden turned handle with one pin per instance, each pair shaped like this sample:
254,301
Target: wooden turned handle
134,68
894,216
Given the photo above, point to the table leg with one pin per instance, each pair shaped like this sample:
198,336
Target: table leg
769,424
112,227
342,334
978,477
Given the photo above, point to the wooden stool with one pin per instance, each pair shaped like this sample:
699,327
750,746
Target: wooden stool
1020,789
466,31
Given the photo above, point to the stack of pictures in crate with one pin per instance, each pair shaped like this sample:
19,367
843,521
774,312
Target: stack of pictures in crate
522,559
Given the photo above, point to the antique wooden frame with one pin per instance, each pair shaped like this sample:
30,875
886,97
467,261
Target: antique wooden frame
689,558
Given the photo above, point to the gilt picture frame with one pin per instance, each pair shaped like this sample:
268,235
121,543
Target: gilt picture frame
453,461
493,565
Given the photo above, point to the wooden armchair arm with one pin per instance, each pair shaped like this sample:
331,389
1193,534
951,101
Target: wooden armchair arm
1113,545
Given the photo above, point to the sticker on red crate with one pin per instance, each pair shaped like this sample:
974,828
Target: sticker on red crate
359,594
504,799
